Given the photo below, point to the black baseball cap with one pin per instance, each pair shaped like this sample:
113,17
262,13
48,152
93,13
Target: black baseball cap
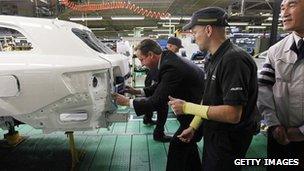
175,41
215,16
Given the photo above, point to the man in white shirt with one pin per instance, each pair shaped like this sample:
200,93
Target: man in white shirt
281,85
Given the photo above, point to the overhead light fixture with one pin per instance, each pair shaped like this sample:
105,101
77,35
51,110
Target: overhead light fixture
132,34
265,14
129,18
168,25
175,23
147,27
270,19
256,27
97,29
161,30
170,18
238,24
85,18
234,14
266,24
176,18
186,18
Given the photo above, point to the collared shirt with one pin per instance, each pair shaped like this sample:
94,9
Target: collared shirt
281,85
297,39
231,79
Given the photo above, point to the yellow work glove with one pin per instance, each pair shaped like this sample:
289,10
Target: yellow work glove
195,109
196,122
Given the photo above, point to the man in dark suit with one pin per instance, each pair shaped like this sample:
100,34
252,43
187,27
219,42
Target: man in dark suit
173,44
179,78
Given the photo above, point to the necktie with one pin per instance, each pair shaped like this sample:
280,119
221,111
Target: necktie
300,49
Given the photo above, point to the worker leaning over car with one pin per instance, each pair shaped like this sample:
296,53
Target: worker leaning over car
177,77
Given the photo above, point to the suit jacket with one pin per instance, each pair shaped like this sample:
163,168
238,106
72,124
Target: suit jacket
177,77
151,77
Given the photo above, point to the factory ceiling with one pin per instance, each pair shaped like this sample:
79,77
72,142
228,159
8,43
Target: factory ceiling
252,12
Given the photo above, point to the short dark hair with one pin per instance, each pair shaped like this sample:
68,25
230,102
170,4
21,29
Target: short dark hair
148,45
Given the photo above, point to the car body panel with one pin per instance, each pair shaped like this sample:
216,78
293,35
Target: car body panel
61,77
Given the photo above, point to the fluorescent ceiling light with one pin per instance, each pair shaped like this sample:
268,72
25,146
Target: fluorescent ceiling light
239,24
86,18
266,24
234,14
176,18
161,30
265,14
270,19
129,18
186,18
170,18
97,29
147,27
168,25
256,27
153,35
132,34
175,23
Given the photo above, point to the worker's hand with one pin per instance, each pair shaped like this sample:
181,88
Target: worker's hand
294,134
279,133
176,105
121,100
187,135
132,90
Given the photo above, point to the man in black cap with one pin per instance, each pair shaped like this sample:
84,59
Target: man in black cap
230,93
174,44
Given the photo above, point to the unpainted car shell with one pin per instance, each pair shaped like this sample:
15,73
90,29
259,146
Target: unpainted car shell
60,77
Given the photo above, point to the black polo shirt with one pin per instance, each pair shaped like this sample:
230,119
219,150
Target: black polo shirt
231,79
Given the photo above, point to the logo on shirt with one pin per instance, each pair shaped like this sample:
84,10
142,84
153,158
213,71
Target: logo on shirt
236,89
213,77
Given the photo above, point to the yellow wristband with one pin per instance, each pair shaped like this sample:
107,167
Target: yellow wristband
196,122
195,109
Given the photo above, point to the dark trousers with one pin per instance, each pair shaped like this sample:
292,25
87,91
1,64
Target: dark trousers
293,150
162,114
161,119
183,156
221,148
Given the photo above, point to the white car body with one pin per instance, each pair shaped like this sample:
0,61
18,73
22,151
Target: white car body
60,77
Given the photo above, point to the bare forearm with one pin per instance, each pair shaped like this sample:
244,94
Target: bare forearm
221,113
225,113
